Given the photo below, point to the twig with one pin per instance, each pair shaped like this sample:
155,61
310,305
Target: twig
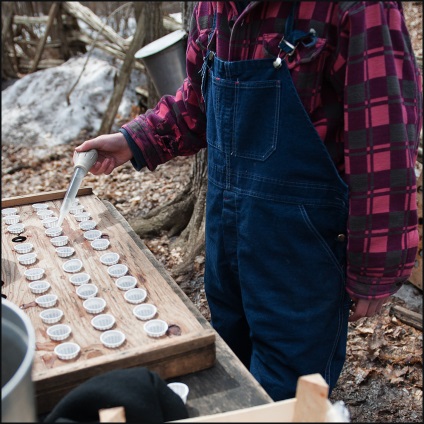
92,48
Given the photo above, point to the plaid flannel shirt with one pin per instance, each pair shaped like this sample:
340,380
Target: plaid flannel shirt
362,89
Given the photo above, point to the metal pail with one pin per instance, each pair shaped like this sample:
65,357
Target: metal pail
17,355
165,61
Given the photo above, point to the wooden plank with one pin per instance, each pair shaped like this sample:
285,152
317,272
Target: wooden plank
52,14
311,399
408,317
170,355
112,415
42,197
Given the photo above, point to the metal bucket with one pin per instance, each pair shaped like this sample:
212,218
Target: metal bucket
165,60
17,354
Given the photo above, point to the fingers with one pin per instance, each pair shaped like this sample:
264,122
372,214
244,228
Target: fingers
104,165
366,308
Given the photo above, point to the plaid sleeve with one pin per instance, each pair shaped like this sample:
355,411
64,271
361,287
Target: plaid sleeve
383,120
177,125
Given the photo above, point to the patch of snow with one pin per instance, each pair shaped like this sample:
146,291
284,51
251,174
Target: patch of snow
35,109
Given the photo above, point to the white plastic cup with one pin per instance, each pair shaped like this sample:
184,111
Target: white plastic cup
180,389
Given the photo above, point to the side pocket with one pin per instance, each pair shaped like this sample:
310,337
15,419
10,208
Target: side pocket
325,225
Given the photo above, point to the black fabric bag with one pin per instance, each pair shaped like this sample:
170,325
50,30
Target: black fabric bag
145,397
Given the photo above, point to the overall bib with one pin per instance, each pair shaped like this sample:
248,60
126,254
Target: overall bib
275,228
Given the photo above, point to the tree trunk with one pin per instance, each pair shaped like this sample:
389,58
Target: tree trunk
185,215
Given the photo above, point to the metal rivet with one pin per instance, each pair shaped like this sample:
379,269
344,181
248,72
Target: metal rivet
341,237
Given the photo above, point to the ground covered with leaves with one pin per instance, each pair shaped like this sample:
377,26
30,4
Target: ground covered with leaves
382,378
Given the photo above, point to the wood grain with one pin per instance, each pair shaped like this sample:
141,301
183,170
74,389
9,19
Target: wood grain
169,355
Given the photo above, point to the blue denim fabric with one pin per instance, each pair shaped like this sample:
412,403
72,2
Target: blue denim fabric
276,205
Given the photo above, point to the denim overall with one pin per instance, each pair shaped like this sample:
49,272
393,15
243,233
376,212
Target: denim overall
275,228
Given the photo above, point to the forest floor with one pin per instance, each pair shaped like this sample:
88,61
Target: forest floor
382,377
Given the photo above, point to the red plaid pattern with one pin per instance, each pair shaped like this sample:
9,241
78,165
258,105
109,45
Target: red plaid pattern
360,85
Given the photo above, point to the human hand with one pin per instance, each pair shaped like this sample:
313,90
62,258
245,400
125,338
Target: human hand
112,149
366,307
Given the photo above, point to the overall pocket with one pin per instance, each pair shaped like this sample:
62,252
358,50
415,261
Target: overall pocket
245,116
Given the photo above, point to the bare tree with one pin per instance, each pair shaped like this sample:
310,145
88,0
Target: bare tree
185,215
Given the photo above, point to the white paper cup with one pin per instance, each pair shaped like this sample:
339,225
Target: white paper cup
50,221
73,265
117,270
112,338
92,235
156,328
53,231
67,351
40,206
85,291
145,311
39,287
180,389
103,322
110,258
9,211
84,216
46,301
126,282
65,251
100,244
23,248
59,332
27,258
51,316
60,241
34,273
135,296
87,225
94,305
79,279
16,228
11,219
44,213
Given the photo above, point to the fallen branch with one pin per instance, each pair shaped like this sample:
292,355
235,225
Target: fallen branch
408,317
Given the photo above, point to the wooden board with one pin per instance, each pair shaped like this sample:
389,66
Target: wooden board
170,355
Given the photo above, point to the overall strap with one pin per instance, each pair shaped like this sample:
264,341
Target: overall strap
292,37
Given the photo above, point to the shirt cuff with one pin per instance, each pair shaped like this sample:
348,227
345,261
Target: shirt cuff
137,161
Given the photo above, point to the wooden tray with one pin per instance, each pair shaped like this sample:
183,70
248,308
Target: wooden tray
171,355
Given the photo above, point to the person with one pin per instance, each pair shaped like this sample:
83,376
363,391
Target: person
311,115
